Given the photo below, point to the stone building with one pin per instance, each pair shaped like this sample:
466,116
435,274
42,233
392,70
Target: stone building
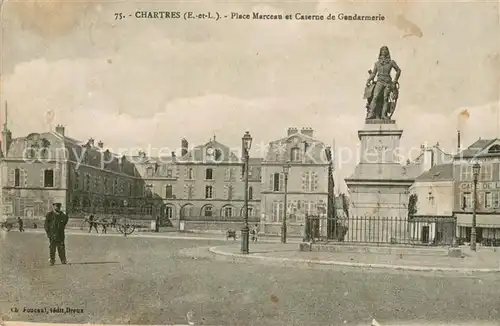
486,152
203,188
433,221
42,168
307,192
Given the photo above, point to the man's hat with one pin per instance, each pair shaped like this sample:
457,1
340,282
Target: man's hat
57,204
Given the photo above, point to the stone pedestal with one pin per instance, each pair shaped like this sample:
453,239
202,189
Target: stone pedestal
378,188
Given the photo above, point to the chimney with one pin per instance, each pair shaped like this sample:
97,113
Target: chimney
91,142
428,158
60,130
458,142
100,144
184,146
173,156
307,131
292,131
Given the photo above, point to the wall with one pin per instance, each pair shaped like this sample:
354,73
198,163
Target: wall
442,201
31,198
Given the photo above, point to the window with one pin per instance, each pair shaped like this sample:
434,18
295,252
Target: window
208,192
278,208
207,211
466,200
169,173
17,178
465,172
187,211
149,172
48,178
309,181
106,185
295,154
168,212
208,174
228,211
147,210
130,193
76,184
495,149
189,191
229,174
250,193
495,199
486,172
169,191
276,182
87,182
229,192
250,211
487,200
190,174
115,186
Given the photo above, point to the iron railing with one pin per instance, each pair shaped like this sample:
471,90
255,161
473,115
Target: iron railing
440,231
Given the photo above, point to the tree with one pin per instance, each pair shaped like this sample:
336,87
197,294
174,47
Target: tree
412,205
345,204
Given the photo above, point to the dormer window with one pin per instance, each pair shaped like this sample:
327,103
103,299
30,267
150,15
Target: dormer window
295,154
495,149
150,171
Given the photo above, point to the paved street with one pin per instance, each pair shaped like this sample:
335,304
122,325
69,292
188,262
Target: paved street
158,281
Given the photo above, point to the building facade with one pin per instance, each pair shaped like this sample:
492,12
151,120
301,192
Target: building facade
486,152
203,188
433,221
43,168
307,188
200,188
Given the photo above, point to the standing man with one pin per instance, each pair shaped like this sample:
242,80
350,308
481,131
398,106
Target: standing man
55,223
92,223
20,222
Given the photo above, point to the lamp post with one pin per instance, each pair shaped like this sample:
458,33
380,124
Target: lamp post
246,144
475,173
286,169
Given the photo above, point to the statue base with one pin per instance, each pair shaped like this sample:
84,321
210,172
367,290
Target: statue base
380,121
379,185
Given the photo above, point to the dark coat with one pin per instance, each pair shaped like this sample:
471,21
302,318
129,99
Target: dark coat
55,224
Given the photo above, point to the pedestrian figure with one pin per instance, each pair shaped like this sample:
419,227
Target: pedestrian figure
113,222
20,222
104,225
55,223
92,223
255,232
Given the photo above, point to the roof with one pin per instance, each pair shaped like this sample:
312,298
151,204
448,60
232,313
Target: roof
62,147
212,151
442,172
278,150
479,148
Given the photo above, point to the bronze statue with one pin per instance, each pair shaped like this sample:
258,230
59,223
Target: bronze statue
382,94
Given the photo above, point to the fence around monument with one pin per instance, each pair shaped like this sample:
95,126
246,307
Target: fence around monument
439,231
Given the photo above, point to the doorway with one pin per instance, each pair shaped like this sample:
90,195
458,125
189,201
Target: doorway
425,234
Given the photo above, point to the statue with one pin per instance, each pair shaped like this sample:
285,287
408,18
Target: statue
382,94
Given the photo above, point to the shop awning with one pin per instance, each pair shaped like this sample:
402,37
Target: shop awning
482,220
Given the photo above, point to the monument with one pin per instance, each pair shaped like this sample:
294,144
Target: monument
379,185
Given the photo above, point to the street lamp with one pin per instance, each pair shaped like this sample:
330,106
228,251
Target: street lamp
246,144
475,173
286,169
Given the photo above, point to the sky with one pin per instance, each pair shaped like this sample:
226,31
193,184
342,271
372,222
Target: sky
146,83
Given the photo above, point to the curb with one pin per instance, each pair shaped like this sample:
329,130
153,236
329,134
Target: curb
214,250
